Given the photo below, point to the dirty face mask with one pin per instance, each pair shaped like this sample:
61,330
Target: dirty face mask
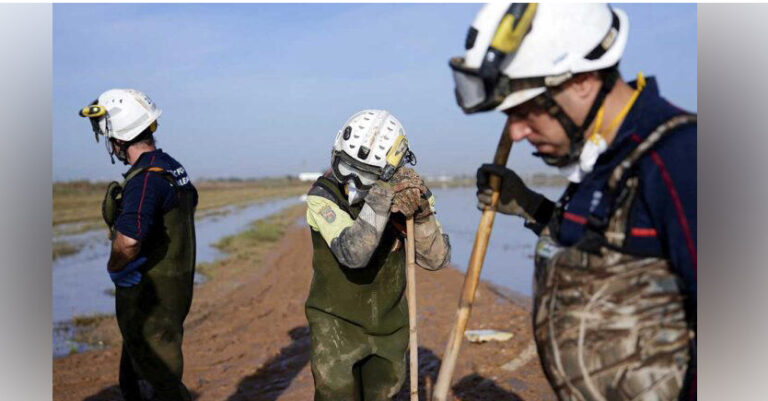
592,149
354,194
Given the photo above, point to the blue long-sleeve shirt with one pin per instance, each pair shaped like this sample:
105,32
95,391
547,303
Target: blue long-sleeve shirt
148,195
662,220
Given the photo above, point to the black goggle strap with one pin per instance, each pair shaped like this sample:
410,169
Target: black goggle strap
514,25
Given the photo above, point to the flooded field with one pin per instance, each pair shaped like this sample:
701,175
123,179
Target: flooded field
81,286
509,259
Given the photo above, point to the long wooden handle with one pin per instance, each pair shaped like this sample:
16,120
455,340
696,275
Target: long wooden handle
413,341
472,277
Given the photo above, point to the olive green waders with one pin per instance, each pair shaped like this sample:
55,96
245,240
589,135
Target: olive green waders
358,318
609,325
151,314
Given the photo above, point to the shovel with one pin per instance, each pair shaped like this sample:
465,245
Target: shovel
410,278
473,276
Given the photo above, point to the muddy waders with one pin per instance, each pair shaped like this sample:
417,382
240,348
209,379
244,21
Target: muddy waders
151,314
609,325
358,317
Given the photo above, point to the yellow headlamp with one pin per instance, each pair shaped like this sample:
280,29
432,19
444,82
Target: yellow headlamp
93,111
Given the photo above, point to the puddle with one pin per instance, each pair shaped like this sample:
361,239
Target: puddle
81,285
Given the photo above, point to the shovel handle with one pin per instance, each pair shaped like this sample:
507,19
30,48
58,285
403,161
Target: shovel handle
413,341
472,277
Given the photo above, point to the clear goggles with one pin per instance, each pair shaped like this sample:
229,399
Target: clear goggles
479,92
345,168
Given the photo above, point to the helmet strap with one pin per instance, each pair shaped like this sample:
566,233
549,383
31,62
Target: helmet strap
574,132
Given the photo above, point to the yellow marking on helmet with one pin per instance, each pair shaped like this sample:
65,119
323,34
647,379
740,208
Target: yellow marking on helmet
93,111
510,33
397,151
153,126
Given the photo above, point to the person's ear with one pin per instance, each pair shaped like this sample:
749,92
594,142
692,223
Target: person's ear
584,85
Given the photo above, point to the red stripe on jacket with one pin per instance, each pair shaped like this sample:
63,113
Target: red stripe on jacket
642,232
675,200
575,218
141,201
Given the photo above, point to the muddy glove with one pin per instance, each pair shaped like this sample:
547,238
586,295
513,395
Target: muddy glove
408,187
129,275
424,211
515,197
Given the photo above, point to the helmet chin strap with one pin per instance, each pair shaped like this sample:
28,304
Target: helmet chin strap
575,133
120,153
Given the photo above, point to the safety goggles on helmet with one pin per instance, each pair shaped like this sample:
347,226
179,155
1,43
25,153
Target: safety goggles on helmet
346,168
477,89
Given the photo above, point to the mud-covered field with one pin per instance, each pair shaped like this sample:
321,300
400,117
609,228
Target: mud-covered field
246,337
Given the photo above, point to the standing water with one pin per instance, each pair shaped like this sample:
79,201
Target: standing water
509,258
81,285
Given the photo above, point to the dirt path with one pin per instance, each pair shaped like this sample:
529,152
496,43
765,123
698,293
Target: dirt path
247,338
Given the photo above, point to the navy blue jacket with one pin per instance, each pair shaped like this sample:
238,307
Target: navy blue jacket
663,218
147,196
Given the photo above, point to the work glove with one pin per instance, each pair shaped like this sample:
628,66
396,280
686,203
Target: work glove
408,187
515,197
129,275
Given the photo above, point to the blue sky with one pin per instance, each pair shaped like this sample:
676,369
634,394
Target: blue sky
251,90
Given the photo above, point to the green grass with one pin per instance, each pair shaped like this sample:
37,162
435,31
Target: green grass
252,242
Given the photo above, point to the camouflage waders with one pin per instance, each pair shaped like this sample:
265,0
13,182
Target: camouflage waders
151,314
358,318
609,325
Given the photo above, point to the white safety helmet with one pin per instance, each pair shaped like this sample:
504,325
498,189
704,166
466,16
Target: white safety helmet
541,45
516,52
370,146
121,114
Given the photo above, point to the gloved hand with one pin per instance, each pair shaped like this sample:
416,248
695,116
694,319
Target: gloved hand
408,187
129,275
515,197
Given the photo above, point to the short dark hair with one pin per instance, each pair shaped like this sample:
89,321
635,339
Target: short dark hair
145,136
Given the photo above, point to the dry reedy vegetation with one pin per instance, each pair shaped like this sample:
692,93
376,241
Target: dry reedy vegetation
80,201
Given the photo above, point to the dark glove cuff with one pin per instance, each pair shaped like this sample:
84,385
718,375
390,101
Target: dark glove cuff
544,211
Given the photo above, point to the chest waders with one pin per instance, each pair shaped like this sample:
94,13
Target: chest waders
358,318
151,314
610,325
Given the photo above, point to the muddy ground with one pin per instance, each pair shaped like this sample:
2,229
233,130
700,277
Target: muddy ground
246,337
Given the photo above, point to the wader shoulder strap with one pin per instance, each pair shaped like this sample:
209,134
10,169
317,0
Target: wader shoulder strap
621,188
163,173
620,172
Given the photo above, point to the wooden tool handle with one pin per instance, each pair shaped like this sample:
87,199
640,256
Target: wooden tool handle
472,277
413,341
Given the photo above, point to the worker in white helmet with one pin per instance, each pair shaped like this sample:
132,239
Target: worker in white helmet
356,308
152,263
615,281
